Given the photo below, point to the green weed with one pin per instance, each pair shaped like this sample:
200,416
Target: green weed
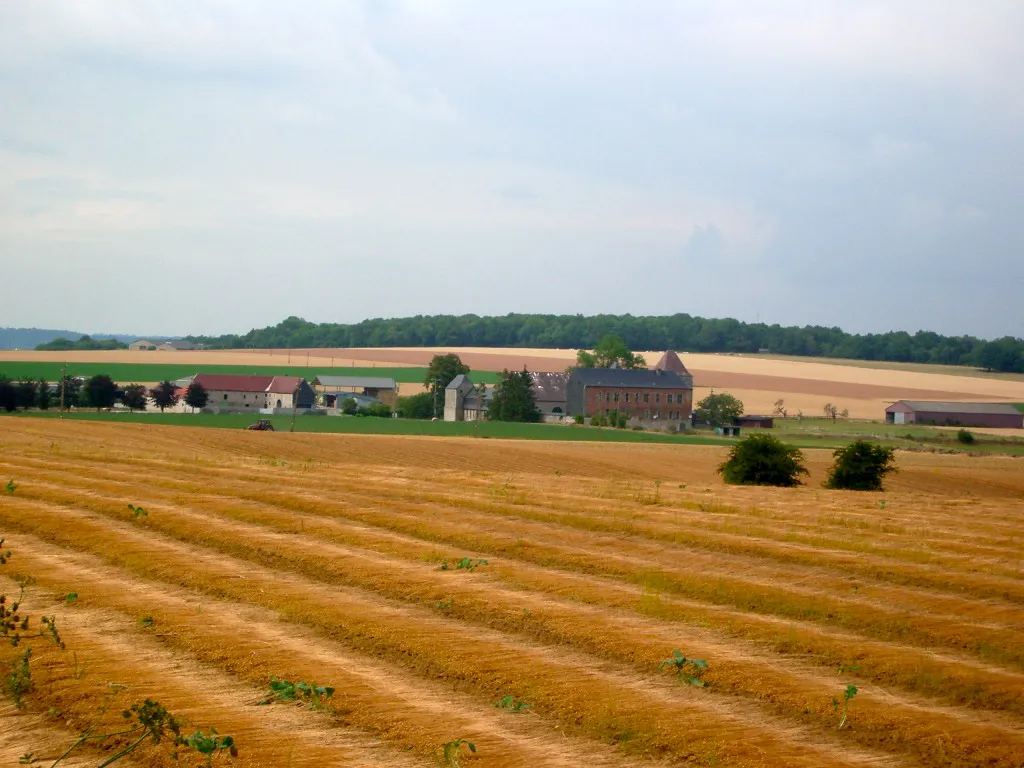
17,683
511,704
137,511
312,695
452,752
688,670
146,622
11,487
70,598
463,564
848,694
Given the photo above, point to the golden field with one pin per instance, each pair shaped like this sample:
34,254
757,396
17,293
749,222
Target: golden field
317,557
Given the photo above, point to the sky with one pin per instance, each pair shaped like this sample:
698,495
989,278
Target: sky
210,166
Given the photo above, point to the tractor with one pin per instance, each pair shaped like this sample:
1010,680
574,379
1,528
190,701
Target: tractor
263,425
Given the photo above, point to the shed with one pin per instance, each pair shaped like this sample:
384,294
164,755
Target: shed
140,345
754,421
1000,415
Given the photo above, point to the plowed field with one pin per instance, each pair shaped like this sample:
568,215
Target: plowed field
318,557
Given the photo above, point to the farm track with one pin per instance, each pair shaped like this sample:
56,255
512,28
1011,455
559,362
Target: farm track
310,556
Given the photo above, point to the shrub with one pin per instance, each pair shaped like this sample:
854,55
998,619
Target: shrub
860,466
578,418
348,406
597,421
763,460
965,436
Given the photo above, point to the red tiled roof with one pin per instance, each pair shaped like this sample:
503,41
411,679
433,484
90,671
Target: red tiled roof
670,362
240,382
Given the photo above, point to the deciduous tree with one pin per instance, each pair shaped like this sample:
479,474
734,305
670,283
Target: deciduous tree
196,395
164,395
719,409
27,393
440,372
514,399
8,395
101,391
762,459
610,351
43,396
860,466
134,397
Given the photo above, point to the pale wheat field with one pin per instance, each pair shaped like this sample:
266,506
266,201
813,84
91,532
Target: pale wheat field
318,557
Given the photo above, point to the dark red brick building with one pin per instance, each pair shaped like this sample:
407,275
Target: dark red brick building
644,396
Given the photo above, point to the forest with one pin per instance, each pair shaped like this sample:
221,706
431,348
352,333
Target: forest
682,332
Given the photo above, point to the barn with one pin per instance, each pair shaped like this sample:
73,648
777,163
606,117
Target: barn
955,414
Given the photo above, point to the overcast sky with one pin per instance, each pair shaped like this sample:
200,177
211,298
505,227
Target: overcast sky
204,167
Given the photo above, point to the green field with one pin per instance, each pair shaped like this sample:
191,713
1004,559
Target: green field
369,425
126,373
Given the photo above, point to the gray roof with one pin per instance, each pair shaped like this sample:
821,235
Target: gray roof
549,387
623,377
928,406
457,381
180,344
366,382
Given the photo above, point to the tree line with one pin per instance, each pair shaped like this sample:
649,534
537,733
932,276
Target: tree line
85,343
99,392
681,332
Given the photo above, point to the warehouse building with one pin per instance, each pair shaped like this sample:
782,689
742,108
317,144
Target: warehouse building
955,414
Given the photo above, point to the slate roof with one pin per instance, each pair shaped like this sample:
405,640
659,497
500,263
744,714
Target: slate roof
366,382
623,377
457,382
927,406
549,387
180,344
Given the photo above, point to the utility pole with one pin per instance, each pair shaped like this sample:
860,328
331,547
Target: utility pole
63,385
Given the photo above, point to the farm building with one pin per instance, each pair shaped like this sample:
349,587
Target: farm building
141,345
549,394
231,391
754,422
463,402
955,414
670,362
645,396
177,345
331,389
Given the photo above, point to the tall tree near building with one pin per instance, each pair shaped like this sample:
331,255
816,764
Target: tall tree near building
101,391
610,351
514,399
69,391
196,395
134,397
717,410
164,395
43,396
26,393
442,369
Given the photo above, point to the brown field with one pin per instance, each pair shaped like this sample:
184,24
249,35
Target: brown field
316,557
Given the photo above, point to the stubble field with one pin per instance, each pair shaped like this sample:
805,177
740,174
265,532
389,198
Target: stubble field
318,557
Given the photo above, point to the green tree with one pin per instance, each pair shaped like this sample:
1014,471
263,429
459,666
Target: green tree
763,460
860,466
717,410
196,395
134,397
514,399
419,406
43,396
8,395
164,395
442,369
349,407
101,391
26,393
611,350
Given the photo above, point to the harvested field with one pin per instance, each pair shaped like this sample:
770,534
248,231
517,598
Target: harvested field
318,557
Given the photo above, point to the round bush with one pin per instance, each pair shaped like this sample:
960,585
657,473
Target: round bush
763,460
965,436
860,466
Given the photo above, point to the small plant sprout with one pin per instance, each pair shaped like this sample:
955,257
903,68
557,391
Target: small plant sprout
452,751
146,622
137,511
511,704
11,487
70,597
210,745
312,695
848,694
462,564
688,670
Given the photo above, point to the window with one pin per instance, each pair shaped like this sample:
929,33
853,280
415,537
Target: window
647,398
225,395
616,397
606,412
607,397
657,397
627,397
679,399
647,413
